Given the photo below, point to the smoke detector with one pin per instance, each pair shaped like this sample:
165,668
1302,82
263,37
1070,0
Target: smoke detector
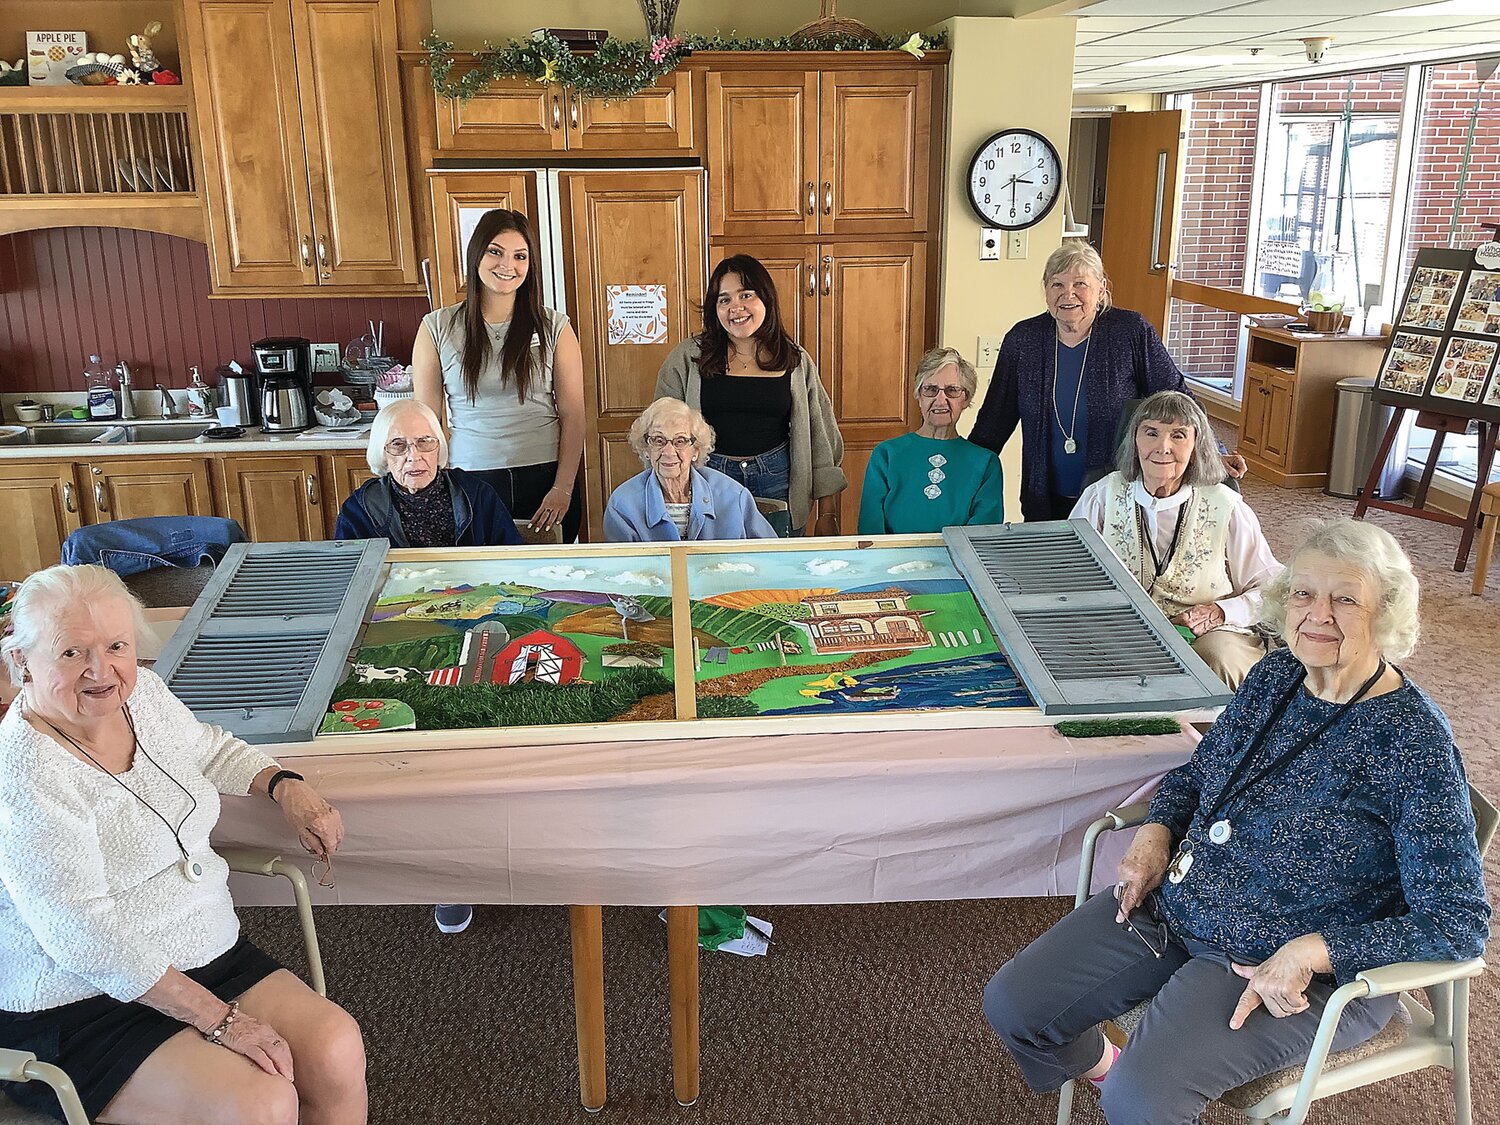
1316,47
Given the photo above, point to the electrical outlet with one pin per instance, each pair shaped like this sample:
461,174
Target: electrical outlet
989,353
325,357
989,244
1015,244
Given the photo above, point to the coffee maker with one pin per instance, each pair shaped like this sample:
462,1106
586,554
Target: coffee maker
284,364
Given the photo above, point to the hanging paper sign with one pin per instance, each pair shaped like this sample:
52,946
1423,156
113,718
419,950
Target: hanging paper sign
637,313
1487,256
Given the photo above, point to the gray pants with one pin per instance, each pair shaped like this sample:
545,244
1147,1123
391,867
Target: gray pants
1047,1002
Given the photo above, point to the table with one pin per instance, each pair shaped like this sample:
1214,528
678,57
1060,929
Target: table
784,819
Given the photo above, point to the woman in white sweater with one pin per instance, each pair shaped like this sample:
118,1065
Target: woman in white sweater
120,954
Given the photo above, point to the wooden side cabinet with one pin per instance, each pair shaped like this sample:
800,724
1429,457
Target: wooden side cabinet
1286,410
39,508
132,488
276,497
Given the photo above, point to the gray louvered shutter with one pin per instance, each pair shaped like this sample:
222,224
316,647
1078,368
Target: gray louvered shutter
269,638
1079,630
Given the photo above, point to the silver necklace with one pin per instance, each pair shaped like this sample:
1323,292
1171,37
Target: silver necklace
1069,445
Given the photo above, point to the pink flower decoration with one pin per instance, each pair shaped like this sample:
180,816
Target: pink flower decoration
664,45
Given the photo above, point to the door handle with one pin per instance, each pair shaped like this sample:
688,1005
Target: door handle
306,251
556,113
68,502
812,198
99,496
574,105
827,197
1158,260
827,274
312,489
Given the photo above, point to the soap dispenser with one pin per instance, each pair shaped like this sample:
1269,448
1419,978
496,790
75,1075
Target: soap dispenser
200,396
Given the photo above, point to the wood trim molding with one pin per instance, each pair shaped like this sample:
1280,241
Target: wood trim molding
1229,300
182,216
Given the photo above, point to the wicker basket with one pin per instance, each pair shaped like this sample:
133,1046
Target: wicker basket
831,26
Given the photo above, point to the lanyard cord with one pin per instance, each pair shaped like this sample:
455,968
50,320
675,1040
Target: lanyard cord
1077,394
1149,539
176,832
1232,791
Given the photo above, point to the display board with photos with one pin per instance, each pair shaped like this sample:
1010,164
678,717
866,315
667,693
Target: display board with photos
1443,350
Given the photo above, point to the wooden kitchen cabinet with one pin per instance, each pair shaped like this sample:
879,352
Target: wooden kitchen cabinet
275,497
39,508
347,472
458,199
802,152
132,488
514,116
1287,400
304,155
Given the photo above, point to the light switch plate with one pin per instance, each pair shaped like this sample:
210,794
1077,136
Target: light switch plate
989,353
325,357
989,244
1015,244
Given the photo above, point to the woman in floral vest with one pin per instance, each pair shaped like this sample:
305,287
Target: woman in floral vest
1192,543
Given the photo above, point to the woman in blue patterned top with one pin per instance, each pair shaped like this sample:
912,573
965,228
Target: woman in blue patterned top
1322,828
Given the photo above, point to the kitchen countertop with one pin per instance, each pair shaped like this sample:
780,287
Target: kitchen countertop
315,440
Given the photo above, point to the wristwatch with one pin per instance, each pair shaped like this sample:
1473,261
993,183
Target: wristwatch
277,778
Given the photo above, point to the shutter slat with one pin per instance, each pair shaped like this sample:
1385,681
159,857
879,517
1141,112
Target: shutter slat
1076,626
267,641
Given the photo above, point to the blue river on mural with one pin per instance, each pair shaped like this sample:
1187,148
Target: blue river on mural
984,680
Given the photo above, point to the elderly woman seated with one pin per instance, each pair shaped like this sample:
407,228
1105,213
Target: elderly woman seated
1192,543
1322,828
415,500
932,478
123,960
678,496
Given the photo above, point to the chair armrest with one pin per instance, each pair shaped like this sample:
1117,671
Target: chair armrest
254,861
13,1065
1417,974
259,861
22,1066
1128,816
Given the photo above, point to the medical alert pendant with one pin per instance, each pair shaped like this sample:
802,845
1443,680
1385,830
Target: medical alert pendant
1070,446
932,492
1220,832
192,870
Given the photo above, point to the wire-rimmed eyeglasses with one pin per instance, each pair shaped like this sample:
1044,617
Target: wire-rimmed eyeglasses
400,447
326,877
930,390
660,441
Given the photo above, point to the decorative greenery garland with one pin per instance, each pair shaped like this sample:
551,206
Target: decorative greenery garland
618,68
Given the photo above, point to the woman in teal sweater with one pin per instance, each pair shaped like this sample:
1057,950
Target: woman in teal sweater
932,479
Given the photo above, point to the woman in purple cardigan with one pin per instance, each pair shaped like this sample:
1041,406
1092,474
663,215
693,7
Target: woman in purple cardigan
1066,376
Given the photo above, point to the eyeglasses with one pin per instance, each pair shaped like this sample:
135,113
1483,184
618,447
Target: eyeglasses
930,390
661,441
400,447
1153,925
326,879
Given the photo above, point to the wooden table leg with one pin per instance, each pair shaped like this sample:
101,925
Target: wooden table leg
682,989
1489,433
587,926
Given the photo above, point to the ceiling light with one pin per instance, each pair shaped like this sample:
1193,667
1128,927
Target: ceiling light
1316,47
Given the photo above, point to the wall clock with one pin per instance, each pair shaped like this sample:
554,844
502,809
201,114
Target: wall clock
1015,178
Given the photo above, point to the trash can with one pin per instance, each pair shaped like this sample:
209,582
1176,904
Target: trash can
1359,424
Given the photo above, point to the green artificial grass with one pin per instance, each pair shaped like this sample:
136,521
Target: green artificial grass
1113,728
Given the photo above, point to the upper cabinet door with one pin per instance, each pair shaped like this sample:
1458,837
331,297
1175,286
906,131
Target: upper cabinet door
458,200
510,115
876,151
656,122
356,153
794,272
259,218
763,152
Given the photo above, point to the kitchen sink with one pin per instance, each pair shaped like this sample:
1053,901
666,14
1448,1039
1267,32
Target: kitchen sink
65,433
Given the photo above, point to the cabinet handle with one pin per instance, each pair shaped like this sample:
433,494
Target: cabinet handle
827,197
99,496
812,282
312,489
556,113
306,251
827,274
322,251
68,503
812,198
573,106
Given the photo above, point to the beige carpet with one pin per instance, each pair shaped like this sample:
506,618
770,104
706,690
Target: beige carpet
860,1014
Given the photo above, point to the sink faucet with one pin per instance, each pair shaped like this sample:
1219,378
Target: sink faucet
168,407
127,391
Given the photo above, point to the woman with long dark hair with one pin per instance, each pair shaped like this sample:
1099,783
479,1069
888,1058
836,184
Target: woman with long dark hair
761,393
505,373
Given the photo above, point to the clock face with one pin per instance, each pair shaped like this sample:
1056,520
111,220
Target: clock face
1014,179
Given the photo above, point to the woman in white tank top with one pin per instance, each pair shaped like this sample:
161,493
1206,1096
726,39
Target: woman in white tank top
505,374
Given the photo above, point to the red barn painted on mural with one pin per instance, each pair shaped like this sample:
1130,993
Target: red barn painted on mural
541,656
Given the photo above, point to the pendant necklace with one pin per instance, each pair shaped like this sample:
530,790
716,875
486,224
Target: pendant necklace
192,869
1147,541
1070,446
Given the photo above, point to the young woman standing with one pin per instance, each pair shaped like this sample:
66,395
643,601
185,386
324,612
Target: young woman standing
506,375
761,393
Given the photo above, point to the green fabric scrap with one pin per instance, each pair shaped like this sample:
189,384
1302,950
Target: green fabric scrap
718,924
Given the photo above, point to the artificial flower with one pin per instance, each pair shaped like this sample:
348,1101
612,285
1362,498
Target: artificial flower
913,46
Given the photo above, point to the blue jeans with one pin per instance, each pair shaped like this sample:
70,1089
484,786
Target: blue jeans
766,475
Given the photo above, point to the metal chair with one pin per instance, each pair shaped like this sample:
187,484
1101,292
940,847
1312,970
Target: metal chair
777,514
1415,1038
22,1066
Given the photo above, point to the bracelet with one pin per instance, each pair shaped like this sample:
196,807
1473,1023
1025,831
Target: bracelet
277,778
216,1033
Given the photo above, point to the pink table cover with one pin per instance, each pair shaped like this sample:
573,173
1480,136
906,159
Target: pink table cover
815,818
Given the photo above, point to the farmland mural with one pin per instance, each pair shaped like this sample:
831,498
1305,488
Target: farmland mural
513,642
803,632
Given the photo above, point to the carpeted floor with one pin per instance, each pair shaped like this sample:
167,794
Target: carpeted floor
860,1014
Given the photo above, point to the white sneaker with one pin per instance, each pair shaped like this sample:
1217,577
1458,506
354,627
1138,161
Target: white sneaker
452,918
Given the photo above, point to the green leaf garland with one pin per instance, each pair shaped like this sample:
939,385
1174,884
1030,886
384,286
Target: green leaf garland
617,68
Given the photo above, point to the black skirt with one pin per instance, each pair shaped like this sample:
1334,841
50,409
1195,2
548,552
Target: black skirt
101,1041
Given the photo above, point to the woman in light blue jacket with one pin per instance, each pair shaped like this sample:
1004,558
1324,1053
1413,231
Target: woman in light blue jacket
677,497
